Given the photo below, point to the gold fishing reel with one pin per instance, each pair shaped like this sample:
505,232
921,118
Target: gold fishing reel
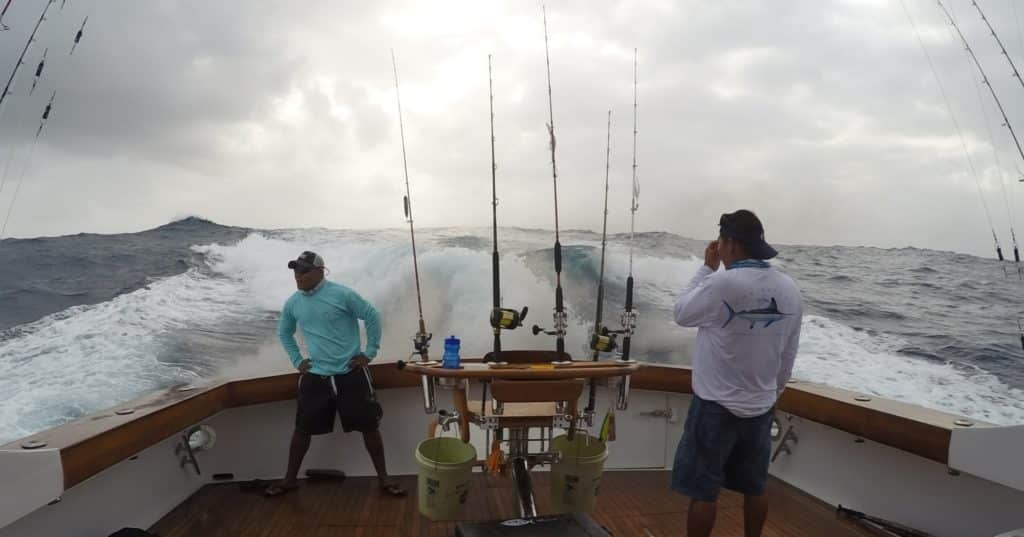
507,319
603,341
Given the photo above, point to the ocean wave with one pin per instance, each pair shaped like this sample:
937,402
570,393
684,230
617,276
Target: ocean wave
204,301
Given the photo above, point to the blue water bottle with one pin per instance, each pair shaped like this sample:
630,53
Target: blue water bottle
451,353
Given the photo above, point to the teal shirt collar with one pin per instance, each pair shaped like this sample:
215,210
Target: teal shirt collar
747,263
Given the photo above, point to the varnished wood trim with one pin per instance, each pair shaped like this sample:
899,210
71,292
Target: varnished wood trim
918,437
91,455
546,372
92,444
837,408
531,391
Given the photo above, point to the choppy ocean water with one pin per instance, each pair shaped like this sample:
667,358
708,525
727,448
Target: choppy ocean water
88,321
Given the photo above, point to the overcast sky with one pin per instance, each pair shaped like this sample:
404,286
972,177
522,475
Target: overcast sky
821,116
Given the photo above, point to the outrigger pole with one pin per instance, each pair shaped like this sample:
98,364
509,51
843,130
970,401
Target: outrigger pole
421,341
560,318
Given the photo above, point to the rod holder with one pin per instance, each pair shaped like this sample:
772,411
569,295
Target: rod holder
429,401
622,402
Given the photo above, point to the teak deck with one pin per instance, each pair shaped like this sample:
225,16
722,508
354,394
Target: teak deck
631,504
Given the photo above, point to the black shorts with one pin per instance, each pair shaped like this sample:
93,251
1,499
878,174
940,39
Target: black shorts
350,395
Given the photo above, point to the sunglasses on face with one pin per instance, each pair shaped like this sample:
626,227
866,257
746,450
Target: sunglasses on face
303,270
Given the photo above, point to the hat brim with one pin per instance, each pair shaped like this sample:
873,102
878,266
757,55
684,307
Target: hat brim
300,265
761,250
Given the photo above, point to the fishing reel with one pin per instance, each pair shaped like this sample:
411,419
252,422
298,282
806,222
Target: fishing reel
421,343
561,324
603,341
628,320
507,319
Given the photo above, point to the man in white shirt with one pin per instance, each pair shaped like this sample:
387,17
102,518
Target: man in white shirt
748,318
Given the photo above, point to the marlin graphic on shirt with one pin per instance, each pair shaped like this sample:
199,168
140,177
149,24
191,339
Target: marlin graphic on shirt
767,315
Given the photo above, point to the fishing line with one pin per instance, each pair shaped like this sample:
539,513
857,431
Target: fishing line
956,126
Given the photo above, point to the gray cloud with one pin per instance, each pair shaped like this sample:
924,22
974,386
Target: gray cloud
820,115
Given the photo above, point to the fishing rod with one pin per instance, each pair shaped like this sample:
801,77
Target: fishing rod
44,119
628,314
39,71
984,78
560,318
501,318
21,58
1016,74
628,317
421,341
602,340
956,126
28,161
885,527
3,26
78,36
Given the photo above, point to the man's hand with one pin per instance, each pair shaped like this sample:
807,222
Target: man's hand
305,365
360,360
711,258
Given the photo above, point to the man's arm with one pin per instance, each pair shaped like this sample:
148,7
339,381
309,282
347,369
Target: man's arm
789,352
286,333
365,311
698,304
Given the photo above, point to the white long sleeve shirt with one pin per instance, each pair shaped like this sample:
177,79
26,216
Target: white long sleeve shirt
748,319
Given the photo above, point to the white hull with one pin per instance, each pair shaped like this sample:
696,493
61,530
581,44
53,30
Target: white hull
252,442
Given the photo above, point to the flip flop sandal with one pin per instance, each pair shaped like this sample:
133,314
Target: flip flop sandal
393,490
277,490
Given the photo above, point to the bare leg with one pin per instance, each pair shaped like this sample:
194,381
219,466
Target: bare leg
296,452
375,447
701,518
755,512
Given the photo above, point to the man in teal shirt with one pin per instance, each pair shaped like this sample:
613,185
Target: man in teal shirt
334,378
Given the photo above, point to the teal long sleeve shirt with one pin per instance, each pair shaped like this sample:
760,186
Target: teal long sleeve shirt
329,319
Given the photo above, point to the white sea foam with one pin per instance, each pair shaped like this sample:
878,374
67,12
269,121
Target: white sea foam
88,358
91,357
837,355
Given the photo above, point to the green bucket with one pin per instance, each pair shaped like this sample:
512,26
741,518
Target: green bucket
576,477
446,465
